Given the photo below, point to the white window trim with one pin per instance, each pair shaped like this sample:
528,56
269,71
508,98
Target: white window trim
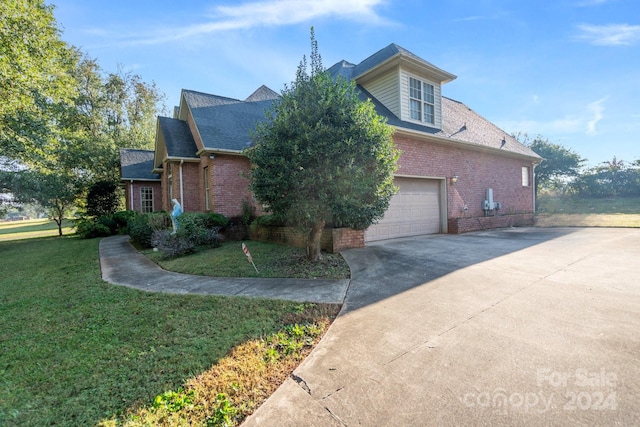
144,199
423,103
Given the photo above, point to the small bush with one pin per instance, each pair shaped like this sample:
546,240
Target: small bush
172,245
140,231
210,220
122,219
248,213
270,221
197,228
90,229
109,222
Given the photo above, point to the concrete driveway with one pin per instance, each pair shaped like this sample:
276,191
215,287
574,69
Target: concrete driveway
524,326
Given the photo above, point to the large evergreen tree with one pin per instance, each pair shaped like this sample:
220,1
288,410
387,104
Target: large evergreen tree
323,155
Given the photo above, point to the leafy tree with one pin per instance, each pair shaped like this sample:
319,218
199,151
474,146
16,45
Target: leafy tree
324,156
55,191
559,162
612,178
110,111
36,69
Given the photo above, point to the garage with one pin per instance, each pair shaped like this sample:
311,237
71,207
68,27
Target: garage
414,210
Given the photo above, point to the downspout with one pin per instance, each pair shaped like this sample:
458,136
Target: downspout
533,177
131,195
181,186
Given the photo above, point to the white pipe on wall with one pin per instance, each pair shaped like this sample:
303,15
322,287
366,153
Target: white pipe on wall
181,187
131,196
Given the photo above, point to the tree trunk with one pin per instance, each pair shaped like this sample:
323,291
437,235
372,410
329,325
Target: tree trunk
59,223
313,241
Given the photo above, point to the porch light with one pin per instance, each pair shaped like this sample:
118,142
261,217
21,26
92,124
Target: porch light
453,179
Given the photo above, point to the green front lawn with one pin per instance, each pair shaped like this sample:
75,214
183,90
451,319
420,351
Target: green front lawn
14,230
78,351
271,260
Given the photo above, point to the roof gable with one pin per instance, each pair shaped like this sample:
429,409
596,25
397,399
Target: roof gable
394,55
229,127
263,93
177,137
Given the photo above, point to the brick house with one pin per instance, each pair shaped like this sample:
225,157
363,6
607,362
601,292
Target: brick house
142,188
458,172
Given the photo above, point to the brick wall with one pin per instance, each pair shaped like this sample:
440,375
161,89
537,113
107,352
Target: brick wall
230,184
465,225
476,171
157,194
333,239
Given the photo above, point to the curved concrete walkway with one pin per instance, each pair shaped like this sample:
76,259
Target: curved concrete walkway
522,326
122,264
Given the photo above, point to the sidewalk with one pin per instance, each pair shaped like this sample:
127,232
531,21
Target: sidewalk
122,265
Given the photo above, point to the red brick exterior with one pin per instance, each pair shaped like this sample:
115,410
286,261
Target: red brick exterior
333,239
228,184
135,186
186,191
477,170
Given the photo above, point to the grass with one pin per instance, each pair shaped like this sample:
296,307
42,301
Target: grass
27,229
78,351
566,211
271,260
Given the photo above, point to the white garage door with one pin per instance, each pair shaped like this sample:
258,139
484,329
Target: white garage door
414,210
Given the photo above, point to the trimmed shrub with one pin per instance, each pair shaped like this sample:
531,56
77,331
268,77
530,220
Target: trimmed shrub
109,222
197,227
140,231
172,245
141,227
90,229
271,221
122,219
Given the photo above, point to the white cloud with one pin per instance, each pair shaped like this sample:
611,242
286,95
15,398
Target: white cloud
561,126
609,35
597,109
584,122
271,13
588,3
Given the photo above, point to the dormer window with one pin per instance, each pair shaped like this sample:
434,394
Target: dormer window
422,101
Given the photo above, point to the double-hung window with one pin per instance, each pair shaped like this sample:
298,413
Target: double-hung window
422,101
146,199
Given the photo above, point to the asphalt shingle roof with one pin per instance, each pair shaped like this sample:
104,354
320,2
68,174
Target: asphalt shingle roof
225,123
178,139
137,164
263,93
461,123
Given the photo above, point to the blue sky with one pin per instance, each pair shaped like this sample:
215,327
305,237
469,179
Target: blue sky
568,70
